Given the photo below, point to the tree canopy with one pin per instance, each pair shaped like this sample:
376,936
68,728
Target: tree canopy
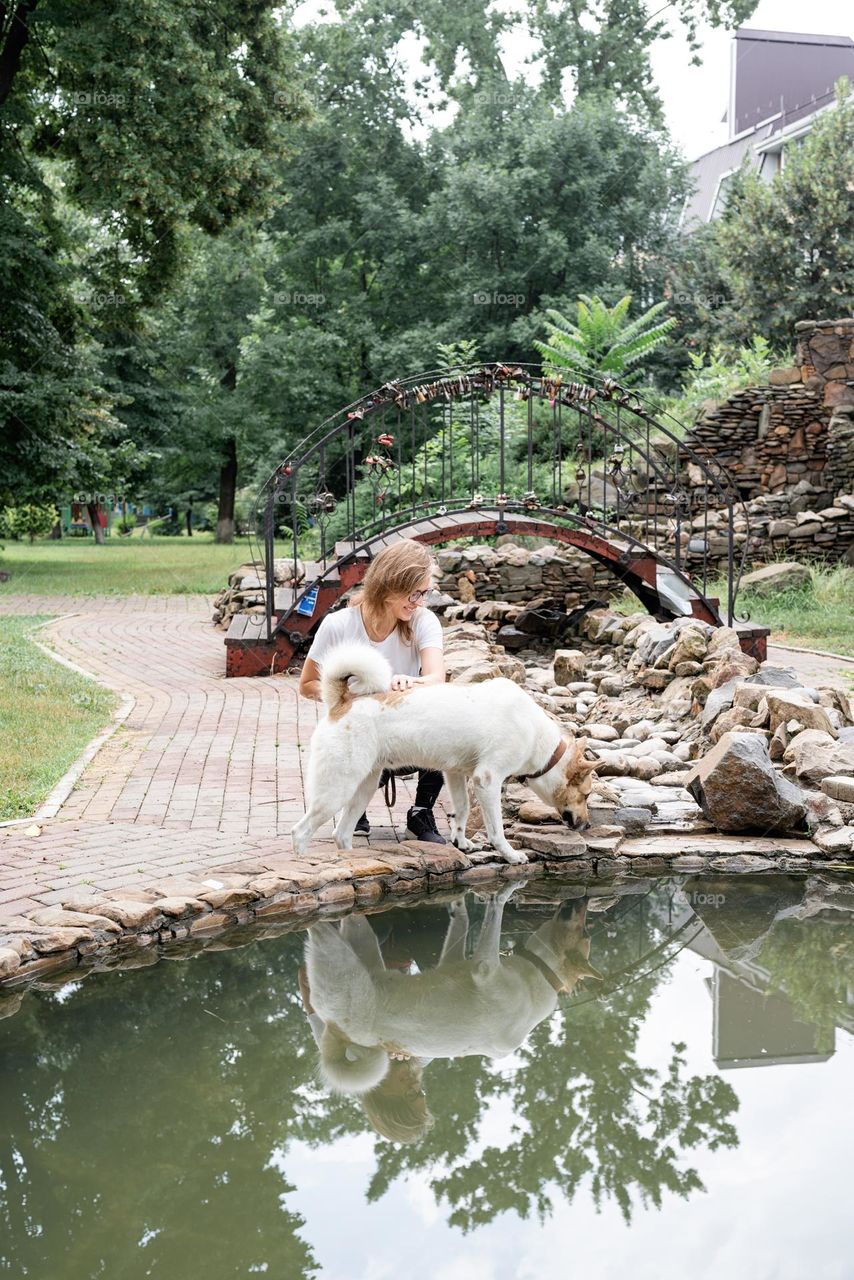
223,224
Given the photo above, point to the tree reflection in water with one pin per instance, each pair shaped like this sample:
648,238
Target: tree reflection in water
145,1115
582,1105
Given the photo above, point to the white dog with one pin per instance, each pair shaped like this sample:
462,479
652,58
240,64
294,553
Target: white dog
487,732
486,1003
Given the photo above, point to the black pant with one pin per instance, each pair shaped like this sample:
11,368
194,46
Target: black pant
430,783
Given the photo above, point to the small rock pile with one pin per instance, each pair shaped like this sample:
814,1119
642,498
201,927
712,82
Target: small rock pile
246,589
691,733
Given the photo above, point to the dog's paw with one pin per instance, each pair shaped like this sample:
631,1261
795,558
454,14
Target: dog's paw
514,856
463,844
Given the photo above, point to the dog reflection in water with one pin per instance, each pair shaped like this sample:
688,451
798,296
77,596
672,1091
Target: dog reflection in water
377,1028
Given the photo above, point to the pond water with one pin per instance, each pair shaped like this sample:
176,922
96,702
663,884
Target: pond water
680,1107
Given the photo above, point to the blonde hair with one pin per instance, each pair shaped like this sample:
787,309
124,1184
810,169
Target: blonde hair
395,1116
397,570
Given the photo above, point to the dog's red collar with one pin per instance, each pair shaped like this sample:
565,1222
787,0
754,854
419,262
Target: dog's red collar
553,759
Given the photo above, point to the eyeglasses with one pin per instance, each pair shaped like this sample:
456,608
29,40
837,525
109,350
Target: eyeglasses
416,597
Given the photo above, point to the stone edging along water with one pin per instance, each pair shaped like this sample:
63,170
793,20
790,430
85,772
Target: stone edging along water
88,929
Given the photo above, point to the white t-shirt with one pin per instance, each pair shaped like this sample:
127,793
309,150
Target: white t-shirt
346,627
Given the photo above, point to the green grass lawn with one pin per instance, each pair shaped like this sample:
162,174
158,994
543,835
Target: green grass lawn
123,566
819,616
47,716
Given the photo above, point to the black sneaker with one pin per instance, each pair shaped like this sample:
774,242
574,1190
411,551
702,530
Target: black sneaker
362,827
421,825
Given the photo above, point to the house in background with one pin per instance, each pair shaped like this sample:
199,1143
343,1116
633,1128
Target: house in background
780,82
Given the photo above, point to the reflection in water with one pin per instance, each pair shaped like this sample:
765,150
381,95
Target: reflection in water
146,1116
377,1027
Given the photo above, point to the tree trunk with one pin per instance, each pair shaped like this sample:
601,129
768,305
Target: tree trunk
227,488
17,34
94,520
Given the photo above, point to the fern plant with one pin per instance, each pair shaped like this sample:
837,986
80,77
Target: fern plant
603,341
457,357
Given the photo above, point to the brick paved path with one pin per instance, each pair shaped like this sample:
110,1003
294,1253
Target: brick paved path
30,604
202,770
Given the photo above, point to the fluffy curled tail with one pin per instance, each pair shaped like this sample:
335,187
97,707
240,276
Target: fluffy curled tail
352,670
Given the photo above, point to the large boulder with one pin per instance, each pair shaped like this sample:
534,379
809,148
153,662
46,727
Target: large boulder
735,718
724,640
839,788
777,677
772,578
786,705
816,756
718,701
732,664
738,789
690,647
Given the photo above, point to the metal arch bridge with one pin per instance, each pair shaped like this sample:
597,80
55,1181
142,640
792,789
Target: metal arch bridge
495,448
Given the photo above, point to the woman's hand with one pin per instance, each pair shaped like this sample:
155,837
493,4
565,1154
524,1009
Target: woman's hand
309,681
404,682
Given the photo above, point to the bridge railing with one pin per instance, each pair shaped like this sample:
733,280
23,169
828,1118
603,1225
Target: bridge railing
506,437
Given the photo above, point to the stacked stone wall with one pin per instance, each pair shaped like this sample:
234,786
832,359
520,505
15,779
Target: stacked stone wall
800,428
518,574
790,526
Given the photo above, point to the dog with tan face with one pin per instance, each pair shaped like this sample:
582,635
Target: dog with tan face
487,732
477,999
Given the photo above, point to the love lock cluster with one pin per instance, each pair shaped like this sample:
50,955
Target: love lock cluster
485,379
321,503
379,463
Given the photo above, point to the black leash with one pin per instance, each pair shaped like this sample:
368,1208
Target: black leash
388,782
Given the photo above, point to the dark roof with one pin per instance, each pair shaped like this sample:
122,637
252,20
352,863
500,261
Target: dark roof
779,71
789,37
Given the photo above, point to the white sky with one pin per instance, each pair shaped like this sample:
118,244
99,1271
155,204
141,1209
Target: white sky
695,98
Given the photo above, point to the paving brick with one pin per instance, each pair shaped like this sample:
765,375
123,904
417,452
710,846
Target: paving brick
202,770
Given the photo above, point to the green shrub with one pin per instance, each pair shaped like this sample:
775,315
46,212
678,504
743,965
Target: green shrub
29,520
167,526
602,341
718,374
